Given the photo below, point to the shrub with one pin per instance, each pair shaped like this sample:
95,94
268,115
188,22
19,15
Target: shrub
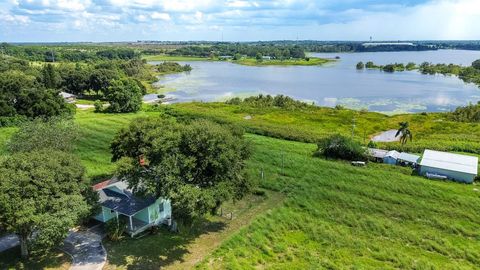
98,105
372,144
360,65
340,147
114,228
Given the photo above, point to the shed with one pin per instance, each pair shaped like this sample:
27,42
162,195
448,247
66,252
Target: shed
408,159
391,157
377,154
460,168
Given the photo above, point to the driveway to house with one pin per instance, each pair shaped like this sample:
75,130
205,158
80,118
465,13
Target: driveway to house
8,241
86,249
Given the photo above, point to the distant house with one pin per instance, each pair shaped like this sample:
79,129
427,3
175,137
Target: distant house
377,154
266,57
225,57
460,168
391,157
117,200
406,159
69,98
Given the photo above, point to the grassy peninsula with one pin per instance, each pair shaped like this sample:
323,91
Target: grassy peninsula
313,61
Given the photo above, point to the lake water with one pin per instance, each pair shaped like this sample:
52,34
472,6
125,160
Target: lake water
335,83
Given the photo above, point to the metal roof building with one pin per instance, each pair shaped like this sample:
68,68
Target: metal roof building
457,167
391,157
410,158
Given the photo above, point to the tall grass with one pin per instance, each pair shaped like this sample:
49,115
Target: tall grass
433,130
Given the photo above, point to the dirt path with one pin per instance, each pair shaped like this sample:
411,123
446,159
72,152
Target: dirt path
205,244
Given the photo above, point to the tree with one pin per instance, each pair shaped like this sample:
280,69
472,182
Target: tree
11,83
124,95
41,197
197,165
56,133
340,147
49,76
100,79
360,65
389,68
476,64
404,132
411,66
38,102
259,56
370,64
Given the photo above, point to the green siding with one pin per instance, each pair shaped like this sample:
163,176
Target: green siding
108,214
142,215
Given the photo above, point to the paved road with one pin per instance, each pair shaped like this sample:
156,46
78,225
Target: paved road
8,241
86,249
387,136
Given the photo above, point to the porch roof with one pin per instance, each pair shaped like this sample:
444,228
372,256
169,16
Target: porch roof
124,203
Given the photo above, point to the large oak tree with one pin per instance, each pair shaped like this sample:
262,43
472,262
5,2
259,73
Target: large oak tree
41,197
198,165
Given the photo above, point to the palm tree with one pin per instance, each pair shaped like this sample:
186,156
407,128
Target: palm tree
404,132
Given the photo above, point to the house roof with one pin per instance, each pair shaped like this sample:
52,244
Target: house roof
449,161
67,95
115,195
394,154
409,157
378,153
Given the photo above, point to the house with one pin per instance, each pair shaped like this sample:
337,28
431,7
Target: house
391,157
69,98
406,159
118,201
377,154
460,168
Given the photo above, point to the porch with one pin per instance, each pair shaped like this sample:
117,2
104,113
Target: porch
134,225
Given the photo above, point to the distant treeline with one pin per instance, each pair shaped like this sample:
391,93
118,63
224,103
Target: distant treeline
206,49
274,51
57,53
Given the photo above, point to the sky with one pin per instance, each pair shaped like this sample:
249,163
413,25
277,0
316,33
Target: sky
237,20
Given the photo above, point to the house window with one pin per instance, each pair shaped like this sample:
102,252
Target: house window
160,207
112,211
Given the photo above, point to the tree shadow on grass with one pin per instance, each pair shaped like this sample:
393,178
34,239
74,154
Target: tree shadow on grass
158,250
10,259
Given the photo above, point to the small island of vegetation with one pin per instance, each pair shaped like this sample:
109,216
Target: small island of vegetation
469,74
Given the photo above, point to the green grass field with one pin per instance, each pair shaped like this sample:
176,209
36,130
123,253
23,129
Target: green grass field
343,217
335,216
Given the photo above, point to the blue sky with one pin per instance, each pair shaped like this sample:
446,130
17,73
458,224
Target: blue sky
237,20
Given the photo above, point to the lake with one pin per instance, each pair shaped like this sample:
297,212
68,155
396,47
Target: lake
335,83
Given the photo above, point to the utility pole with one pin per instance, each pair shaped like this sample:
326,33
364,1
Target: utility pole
353,127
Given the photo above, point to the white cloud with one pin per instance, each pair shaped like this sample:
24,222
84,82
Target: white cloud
160,16
246,19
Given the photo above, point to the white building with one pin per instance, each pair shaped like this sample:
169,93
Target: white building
456,167
391,157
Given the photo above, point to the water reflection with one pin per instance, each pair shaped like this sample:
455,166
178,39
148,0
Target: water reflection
336,83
